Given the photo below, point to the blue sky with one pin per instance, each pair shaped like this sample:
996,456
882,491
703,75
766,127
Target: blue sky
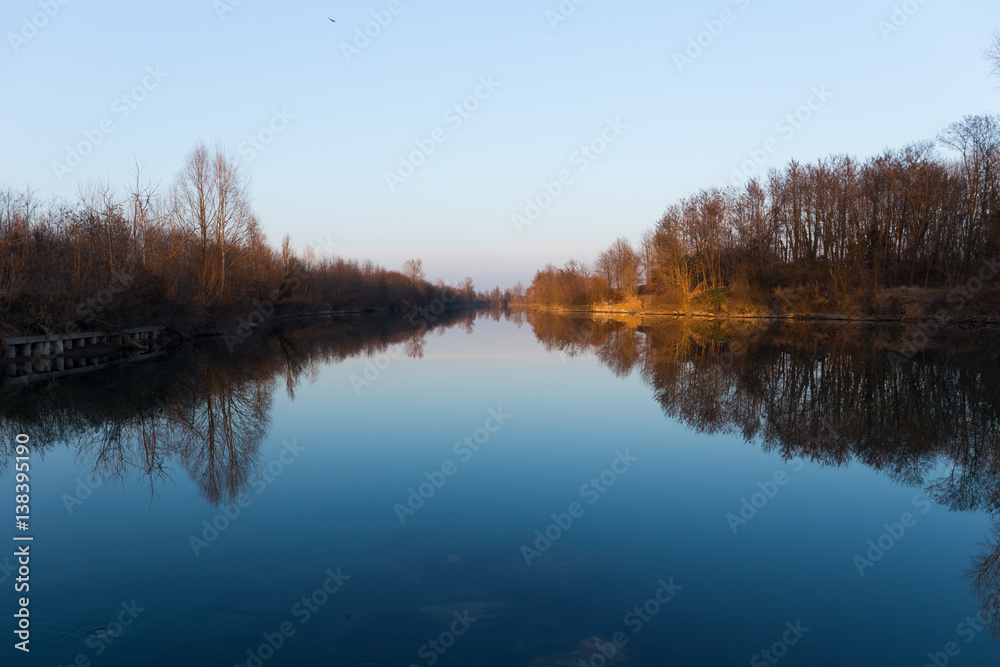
229,70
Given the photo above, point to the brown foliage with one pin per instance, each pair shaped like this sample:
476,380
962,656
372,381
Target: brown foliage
194,255
838,227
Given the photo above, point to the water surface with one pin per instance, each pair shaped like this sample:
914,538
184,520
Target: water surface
708,493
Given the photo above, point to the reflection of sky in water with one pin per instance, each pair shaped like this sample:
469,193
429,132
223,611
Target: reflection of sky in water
460,553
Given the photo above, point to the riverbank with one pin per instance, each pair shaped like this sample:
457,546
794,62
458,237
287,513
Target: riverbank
56,354
974,304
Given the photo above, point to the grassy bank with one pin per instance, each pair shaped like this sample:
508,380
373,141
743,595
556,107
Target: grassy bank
974,302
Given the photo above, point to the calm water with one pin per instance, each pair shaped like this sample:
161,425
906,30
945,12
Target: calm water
700,496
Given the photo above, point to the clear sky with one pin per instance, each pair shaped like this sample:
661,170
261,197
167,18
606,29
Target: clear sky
345,116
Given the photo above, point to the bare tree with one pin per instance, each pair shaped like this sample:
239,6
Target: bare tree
143,198
198,251
993,53
192,207
212,202
647,255
619,265
234,219
414,269
977,140
104,223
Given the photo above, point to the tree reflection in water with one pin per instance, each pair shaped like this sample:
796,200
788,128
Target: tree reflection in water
831,393
207,409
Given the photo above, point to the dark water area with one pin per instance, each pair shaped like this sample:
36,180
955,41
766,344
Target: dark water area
519,489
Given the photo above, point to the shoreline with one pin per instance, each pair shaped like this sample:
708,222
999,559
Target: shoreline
977,320
33,357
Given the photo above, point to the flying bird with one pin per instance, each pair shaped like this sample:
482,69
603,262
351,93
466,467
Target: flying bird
330,19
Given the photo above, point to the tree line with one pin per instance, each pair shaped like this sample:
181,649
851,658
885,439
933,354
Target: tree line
839,230
190,253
